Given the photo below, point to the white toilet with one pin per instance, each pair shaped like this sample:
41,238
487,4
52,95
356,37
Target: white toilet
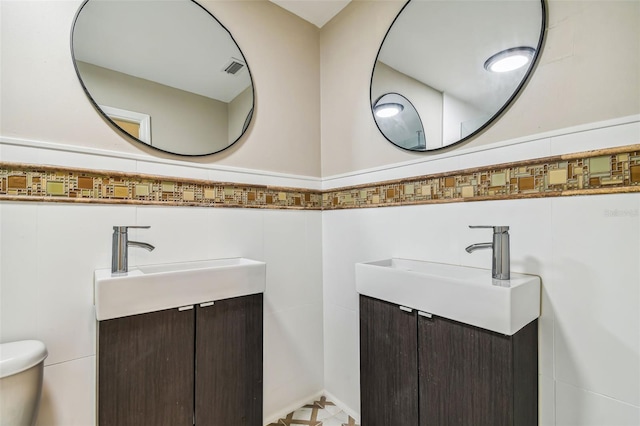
21,366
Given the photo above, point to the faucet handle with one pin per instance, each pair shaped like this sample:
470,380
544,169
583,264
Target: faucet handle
496,229
124,228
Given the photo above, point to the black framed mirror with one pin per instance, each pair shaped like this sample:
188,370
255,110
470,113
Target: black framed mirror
447,59
166,74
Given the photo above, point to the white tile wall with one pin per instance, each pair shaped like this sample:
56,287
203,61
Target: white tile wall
594,287
186,171
605,137
546,401
73,241
67,394
293,309
289,259
50,252
19,310
578,407
342,356
30,152
293,357
536,148
178,235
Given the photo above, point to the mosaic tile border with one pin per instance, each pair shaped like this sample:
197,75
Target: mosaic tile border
609,171
26,182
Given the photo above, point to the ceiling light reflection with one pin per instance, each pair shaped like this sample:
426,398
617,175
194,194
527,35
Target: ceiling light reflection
509,59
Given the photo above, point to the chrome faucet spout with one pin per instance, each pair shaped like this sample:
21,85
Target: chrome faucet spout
501,257
478,246
141,245
120,249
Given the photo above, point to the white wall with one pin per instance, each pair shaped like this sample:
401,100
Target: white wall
459,120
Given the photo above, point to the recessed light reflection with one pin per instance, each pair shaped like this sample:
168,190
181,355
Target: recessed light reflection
510,59
388,110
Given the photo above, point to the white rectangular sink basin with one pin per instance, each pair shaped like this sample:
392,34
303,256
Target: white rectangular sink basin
464,294
156,287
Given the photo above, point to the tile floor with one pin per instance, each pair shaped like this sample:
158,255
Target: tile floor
317,413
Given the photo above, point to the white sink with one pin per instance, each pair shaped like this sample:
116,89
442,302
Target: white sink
464,294
156,287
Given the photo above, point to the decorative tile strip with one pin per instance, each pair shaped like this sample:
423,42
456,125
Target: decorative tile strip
24,182
609,171
615,170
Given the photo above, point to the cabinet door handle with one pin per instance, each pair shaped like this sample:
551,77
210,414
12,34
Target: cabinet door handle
185,308
206,304
404,308
425,314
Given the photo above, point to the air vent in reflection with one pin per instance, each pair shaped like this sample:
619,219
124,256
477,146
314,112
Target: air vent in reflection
234,66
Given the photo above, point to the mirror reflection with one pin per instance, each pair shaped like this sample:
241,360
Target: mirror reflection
399,121
458,63
166,73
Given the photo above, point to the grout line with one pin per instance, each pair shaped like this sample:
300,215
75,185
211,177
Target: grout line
69,360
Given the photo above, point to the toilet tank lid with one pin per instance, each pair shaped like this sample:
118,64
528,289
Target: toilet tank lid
16,357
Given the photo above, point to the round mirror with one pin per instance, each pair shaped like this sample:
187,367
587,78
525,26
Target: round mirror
458,63
165,73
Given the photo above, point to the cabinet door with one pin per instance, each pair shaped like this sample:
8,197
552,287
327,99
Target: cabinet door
145,369
229,363
466,375
388,364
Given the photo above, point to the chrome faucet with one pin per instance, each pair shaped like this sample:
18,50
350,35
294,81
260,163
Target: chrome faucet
500,265
120,249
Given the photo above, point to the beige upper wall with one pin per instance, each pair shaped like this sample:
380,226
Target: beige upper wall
589,71
43,100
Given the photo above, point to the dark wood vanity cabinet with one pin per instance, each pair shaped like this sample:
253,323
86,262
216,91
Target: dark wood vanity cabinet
388,364
145,369
199,366
229,363
422,371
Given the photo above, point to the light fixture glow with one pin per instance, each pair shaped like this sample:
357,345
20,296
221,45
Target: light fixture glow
510,59
388,109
